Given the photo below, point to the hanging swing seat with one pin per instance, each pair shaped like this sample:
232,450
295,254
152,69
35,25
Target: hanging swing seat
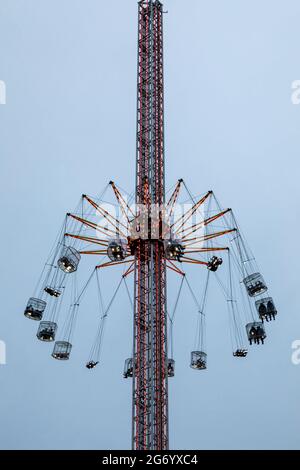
34,309
53,291
240,353
171,368
91,364
255,284
128,368
266,309
62,350
174,250
46,331
214,263
116,250
198,360
256,332
69,259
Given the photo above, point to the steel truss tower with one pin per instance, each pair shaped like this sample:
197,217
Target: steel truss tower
150,387
150,239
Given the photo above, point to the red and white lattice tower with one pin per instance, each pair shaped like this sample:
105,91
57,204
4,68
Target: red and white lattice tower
150,387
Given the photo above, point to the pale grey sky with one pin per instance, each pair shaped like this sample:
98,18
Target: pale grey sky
68,128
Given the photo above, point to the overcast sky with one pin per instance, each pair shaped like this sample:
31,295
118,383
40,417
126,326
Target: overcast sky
67,128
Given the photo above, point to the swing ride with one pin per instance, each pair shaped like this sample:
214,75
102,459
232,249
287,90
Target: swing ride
148,235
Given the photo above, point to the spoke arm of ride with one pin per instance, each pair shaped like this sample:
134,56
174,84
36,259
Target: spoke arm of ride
173,199
203,223
185,217
173,267
207,250
88,223
110,218
97,241
93,252
208,236
129,270
186,259
121,201
112,263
